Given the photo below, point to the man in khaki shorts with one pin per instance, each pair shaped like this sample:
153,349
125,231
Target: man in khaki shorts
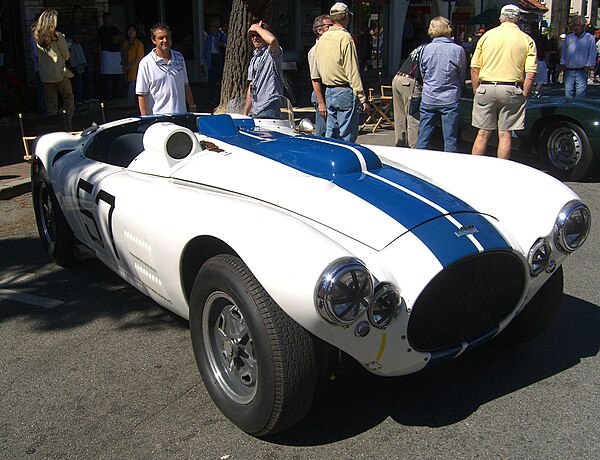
502,56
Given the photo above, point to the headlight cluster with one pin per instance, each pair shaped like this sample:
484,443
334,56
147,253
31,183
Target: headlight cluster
571,229
572,226
346,291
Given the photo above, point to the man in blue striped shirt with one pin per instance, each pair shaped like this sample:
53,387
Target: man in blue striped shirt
443,68
578,57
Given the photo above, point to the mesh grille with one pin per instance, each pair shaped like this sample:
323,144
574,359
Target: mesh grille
465,300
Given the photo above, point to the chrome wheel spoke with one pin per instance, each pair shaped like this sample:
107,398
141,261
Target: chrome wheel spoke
231,347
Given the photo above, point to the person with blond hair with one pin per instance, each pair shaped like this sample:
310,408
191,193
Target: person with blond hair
443,68
53,51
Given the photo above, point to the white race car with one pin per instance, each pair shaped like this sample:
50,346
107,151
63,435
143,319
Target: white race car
281,247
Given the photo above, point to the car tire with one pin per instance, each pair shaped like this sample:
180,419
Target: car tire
257,364
537,314
56,235
566,151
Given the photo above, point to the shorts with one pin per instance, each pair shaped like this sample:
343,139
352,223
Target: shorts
542,73
499,108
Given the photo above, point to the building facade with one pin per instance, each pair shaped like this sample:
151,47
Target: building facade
385,31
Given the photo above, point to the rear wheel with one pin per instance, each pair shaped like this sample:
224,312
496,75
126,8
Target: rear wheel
56,235
257,364
566,151
537,314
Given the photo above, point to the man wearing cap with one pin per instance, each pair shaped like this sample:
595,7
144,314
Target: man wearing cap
321,24
577,58
337,64
502,56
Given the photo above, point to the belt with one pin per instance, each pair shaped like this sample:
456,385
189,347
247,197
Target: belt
346,85
577,69
500,83
402,74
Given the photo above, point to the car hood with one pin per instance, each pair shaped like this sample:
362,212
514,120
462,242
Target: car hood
341,186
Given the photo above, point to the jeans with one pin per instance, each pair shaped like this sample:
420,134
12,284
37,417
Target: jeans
320,123
575,83
342,113
429,115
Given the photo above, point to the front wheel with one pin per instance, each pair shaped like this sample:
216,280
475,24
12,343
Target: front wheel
257,364
56,235
566,151
537,314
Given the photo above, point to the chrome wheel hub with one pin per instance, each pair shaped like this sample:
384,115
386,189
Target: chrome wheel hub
229,347
565,148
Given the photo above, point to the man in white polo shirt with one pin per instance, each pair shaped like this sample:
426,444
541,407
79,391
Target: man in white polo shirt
162,84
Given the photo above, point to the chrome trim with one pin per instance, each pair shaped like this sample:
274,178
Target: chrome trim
386,300
539,256
569,214
359,291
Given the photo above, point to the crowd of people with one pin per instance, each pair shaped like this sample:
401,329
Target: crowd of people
505,66
63,66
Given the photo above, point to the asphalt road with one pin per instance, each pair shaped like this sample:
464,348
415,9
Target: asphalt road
90,368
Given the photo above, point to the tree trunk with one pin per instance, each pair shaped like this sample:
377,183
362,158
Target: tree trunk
239,51
560,17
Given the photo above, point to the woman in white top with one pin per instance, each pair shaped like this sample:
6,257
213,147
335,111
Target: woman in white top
53,51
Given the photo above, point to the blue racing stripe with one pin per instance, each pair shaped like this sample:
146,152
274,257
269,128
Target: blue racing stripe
410,211
438,235
423,188
487,235
388,189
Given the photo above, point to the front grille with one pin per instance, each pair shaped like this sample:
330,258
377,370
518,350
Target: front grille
465,300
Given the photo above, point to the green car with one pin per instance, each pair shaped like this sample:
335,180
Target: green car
564,133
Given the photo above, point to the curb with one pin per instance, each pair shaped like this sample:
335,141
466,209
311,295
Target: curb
15,188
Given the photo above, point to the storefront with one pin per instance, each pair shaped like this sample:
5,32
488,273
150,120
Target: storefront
381,28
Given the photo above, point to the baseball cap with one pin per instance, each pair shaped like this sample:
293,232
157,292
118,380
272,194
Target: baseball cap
512,11
339,8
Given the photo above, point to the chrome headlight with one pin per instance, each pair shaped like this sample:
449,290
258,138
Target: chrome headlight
385,306
344,291
539,256
572,226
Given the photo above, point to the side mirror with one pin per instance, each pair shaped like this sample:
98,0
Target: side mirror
306,126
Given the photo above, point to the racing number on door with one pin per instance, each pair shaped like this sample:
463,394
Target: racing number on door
89,215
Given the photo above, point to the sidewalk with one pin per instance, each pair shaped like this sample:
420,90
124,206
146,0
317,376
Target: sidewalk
15,177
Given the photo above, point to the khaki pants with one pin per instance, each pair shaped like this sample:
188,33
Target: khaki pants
407,125
66,91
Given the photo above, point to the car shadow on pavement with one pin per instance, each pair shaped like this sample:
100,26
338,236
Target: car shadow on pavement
441,396
75,286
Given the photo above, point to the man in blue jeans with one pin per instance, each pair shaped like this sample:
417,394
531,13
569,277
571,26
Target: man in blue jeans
337,64
443,67
578,57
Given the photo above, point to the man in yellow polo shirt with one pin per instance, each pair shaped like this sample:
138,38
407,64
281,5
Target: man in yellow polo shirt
337,64
502,56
